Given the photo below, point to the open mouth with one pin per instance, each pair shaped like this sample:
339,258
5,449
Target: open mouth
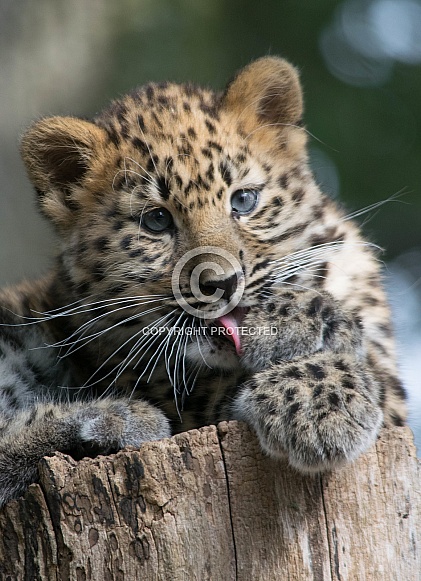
229,326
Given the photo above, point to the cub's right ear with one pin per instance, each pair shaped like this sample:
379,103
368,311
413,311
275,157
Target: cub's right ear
58,153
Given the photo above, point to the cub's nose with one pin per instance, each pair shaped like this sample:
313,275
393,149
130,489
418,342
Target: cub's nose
228,285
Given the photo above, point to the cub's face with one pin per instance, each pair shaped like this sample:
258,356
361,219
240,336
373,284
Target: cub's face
181,198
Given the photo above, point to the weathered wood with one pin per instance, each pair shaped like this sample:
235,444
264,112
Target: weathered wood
208,505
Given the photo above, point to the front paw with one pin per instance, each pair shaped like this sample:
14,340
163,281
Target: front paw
295,323
320,412
107,426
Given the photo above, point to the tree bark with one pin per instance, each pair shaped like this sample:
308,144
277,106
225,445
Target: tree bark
208,505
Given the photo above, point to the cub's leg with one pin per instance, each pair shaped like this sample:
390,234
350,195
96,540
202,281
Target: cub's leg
78,429
311,396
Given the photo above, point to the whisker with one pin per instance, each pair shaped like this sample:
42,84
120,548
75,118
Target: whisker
393,198
88,324
87,384
141,347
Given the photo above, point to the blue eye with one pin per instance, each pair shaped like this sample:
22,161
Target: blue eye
157,220
244,201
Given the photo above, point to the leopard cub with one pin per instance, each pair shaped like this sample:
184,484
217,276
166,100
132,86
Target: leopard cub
187,220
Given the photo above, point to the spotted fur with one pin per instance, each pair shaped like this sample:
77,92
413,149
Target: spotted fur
76,371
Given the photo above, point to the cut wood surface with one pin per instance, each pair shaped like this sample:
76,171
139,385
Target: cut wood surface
208,505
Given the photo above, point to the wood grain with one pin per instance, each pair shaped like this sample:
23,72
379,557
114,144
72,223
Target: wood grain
208,505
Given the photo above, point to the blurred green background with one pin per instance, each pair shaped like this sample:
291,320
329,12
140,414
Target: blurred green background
360,63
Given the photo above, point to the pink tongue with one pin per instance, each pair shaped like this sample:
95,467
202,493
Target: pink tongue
231,325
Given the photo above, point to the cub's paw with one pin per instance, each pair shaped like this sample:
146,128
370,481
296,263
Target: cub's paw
106,426
321,412
296,323
78,429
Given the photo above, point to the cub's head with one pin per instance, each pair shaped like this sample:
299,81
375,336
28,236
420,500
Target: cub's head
179,193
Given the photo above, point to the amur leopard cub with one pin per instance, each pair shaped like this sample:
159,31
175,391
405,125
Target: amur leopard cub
170,204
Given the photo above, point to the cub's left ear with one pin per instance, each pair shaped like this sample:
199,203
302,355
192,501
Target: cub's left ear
269,89
58,153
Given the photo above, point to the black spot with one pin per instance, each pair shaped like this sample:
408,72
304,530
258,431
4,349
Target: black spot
185,148
298,195
135,253
113,135
178,181
208,110
186,107
278,201
340,365
102,244
316,371
396,386
292,410
140,145
207,152
210,126
192,133
225,172
150,93
83,288
261,397
284,181
210,174
283,311
126,242
270,307
259,266
219,194
152,163
334,400
118,224
318,389
169,163
396,419
291,232
189,187
293,372
290,394
315,306
163,188
117,289
121,112
327,312
141,123
157,121
163,101
371,301
385,328
201,184
214,145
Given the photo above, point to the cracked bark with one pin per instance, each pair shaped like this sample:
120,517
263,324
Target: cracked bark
207,505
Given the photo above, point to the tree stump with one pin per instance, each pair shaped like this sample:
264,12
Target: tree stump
208,505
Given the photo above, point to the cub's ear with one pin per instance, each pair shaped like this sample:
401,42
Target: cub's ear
58,153
269,90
